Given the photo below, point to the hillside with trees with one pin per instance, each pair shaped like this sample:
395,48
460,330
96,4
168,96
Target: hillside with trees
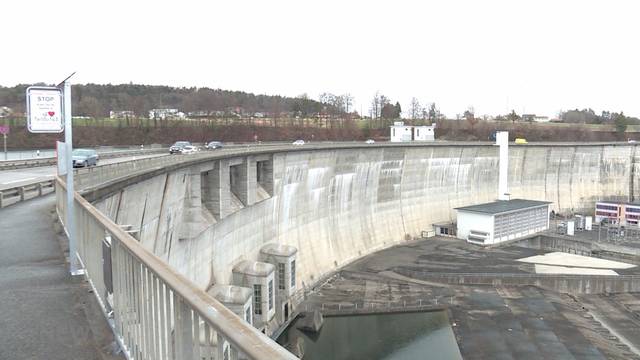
96,101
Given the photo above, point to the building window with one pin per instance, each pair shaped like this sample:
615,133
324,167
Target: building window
281,276
293,273
270,294
257,299
247,315
394,131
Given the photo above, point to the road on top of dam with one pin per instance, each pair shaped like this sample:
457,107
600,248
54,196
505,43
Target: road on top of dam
9,178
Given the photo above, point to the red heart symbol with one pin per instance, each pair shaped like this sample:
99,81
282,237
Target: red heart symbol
51,113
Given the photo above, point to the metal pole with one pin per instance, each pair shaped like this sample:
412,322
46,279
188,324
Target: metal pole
5,146
74,266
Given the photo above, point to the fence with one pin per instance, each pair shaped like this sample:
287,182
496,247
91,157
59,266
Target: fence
155,312
12,195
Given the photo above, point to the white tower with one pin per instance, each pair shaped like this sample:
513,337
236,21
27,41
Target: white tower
502,140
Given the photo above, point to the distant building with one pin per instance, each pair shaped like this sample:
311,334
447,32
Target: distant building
399,132
166,114
121,114
424,133
5,111
502,220
617,213
535,118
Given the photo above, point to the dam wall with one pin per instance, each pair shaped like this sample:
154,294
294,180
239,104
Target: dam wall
336,205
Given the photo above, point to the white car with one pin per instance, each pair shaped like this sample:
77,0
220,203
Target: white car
370,141
189,149
298,142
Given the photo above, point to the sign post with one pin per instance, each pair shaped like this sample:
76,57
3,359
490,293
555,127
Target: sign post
45,112
4,130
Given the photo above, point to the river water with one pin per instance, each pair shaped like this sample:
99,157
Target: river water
395,336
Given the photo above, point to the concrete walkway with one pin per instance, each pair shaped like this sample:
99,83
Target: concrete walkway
43,310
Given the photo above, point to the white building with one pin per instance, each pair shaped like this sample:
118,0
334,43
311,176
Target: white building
121,114
617,213
399,132
283,257
166,114
424,133
502,220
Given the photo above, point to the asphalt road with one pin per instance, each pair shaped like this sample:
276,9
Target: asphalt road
9,177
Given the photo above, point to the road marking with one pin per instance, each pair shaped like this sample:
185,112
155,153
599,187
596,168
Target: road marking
15,181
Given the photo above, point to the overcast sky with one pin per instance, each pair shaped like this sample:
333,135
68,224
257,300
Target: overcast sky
531,56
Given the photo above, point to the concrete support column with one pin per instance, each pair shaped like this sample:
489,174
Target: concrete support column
216,189
264,174
245,179
194,220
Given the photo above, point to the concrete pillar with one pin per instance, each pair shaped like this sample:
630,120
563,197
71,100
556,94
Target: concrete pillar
502,140
194,219
216,188
264,174
244,181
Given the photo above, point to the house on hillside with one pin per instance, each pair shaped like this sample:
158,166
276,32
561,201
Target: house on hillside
166,114
121,114
5,111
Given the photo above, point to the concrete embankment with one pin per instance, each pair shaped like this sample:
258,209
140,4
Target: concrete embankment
338,205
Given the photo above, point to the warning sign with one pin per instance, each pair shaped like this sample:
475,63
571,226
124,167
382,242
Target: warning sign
44,110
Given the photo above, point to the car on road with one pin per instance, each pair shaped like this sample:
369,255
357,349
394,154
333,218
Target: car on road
84,157
189,149
521,141
212,145
298,142
370,141
177,147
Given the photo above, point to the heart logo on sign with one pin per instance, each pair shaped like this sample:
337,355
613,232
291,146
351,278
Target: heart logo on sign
51,113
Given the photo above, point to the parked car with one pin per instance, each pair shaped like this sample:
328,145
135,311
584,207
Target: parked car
298,142
212,145
177,147
521,141
189,149
370,141
631,141
84,157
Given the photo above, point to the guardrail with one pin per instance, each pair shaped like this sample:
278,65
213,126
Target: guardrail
50,161
12,195
155,312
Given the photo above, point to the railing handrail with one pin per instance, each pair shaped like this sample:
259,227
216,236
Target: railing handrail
241,334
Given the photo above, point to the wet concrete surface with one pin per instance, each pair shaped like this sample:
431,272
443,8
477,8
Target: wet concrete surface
491,322
46,313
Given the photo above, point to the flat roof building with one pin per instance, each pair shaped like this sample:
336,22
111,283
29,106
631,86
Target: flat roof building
502,220
617,212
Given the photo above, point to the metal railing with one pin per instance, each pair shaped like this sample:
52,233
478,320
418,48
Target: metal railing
155,312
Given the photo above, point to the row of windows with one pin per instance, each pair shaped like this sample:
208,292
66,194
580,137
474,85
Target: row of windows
632,209
523,221
602,213
607,207
632,216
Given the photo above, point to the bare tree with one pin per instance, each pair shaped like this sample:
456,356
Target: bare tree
414,108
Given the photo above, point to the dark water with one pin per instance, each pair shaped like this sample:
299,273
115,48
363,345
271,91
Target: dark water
398,336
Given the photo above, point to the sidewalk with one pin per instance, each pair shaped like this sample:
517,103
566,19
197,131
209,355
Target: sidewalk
44,312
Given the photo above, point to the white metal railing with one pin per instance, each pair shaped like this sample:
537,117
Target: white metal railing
155,312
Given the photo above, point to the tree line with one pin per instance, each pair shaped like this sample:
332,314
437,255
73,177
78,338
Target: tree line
96,101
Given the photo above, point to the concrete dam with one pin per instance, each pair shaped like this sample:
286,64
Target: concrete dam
336,205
